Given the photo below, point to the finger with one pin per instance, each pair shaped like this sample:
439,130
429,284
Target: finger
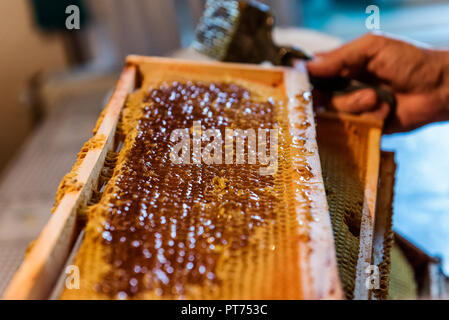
358,101
381,112
410,113
346,60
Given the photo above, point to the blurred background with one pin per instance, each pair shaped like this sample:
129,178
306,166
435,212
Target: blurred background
54,82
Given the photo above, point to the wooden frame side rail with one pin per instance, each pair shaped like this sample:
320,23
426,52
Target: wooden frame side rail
44,262
46,257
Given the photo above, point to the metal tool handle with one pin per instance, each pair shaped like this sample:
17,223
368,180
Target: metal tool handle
340,85
336,85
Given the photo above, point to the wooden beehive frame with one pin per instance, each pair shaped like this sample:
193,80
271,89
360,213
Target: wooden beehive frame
383,234
48,253
44,262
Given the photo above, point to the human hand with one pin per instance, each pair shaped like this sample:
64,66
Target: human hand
418,77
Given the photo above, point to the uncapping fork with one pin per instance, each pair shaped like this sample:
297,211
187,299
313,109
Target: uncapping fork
241,31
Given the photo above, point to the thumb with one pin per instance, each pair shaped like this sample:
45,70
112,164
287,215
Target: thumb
358,101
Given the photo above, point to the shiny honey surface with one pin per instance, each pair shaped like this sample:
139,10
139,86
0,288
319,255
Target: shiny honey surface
168,228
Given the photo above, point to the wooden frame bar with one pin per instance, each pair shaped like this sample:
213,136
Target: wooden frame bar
384,212
361,291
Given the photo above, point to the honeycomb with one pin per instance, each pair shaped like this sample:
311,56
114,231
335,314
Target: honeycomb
403,284
343,155
162,230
